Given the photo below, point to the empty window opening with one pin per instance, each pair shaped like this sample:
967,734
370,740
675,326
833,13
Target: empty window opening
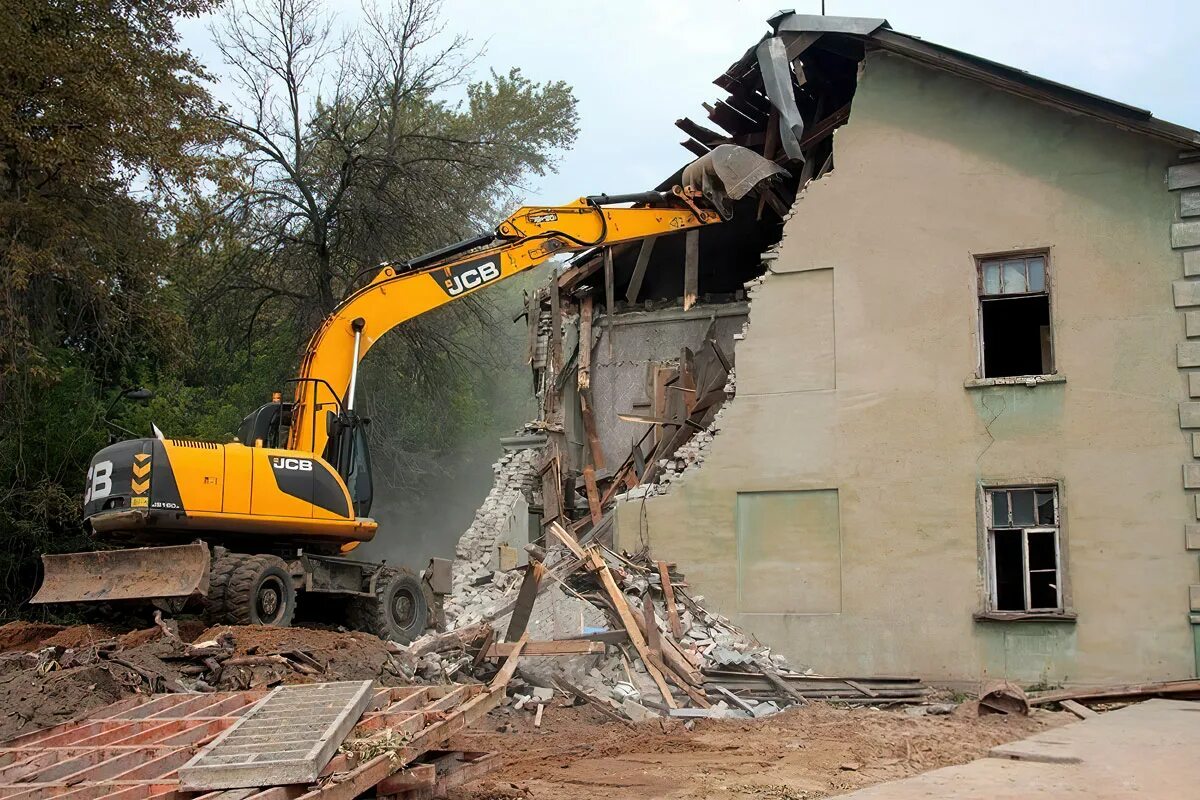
1024,560
1014,312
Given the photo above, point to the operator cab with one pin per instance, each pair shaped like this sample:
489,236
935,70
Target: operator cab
266,426
347,450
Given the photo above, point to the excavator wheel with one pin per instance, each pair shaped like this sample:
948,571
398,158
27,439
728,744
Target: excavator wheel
260,592
219,574
399,610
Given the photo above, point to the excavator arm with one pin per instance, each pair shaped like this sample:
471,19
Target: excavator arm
528,237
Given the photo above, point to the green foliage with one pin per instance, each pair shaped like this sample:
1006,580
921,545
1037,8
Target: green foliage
150,238
100,115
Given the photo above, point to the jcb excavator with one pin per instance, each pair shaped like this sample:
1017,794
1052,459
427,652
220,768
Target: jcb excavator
245,526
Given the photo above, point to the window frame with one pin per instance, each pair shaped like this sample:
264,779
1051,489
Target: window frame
981,297
988,550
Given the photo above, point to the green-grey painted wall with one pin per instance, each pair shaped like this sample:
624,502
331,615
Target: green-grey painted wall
851,379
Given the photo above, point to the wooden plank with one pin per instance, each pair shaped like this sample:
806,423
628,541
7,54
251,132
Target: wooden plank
610,306
653,639
733,698
703,135
533,308
488,638
553,647
1154,689
687,378
782,685
669,601
554,356
594,702
418,776
585,344
864,689
570,541
639,269
525,599
630,622
691,267
1078,709
593,494
696,696
595,448
510,665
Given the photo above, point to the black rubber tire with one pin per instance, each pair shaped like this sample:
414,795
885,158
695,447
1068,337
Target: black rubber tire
260,592
219,573
399,610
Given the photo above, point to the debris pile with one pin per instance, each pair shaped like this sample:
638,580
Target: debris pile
624,635
478,582
44,681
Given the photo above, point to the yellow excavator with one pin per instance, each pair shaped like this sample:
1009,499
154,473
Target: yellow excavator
244,527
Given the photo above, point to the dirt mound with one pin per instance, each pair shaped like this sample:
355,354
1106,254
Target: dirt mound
808,752
349,656
78,636
97,665
19,635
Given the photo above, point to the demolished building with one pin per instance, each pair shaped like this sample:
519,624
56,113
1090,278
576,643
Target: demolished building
917,412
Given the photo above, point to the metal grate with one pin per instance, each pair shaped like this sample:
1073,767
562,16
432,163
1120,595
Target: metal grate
133,750
285,739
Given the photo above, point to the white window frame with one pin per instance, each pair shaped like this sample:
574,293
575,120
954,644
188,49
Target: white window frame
981,297
990,530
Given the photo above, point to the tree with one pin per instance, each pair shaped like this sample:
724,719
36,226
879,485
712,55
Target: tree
101,115
353,155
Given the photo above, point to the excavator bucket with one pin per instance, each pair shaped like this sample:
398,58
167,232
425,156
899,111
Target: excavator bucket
729,173
145,573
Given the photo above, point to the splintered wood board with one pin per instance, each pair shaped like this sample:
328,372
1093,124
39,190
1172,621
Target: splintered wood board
287,738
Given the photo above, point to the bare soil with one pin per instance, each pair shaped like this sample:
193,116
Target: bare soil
816,751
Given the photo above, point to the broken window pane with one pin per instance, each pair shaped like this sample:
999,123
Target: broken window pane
1014,311
1042,554
1045,508
1043,591
1037,274
1010,571
1013,338
991,278
1000,509
1022,507
1014,277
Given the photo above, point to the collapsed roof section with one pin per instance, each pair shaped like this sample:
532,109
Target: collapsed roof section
785,98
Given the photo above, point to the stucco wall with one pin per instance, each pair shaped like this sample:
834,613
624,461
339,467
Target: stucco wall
851,378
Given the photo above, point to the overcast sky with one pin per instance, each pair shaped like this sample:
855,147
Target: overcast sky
638,65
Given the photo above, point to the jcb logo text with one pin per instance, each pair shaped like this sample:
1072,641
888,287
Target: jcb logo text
294,464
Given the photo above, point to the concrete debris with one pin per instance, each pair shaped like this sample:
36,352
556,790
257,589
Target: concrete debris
478,588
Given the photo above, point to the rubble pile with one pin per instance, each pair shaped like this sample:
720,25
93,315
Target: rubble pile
604,628
477,585
48,679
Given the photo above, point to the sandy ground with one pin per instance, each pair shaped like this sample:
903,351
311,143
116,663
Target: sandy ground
817,751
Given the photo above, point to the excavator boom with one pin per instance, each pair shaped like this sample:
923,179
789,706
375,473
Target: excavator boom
236,511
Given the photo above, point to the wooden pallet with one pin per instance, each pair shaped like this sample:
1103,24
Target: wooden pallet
133,749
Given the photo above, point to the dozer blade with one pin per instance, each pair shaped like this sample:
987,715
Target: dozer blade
730,173
145,573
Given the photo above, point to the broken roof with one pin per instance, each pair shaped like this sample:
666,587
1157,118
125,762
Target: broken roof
801,29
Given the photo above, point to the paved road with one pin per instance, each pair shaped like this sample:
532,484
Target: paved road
1142,751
